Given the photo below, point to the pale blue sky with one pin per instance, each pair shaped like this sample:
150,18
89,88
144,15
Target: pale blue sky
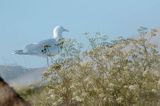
29,21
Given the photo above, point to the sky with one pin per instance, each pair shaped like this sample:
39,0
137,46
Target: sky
30,21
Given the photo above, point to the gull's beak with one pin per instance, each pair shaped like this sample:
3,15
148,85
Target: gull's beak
66,30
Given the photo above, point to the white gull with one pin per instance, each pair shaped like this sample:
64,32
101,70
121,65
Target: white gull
45,48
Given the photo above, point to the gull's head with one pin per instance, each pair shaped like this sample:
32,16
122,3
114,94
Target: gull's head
60,29
57,32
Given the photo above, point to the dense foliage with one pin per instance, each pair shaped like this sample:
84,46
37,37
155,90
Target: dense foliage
121,72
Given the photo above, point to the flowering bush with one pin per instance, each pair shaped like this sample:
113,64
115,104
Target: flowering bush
121,72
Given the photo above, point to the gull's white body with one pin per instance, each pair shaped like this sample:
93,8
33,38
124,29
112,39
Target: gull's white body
37,49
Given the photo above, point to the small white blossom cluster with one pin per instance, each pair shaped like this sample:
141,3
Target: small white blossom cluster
133,87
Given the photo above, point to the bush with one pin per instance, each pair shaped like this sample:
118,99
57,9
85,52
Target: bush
120,72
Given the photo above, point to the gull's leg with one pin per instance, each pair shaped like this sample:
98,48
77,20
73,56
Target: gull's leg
47,61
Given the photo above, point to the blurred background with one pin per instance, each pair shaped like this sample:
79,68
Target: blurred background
23,22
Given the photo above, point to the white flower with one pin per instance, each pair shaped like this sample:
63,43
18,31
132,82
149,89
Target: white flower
84,94
120,80
51,96
55,104
126,67
125,86
111,85
154,90
101,95
132,87
87,79
78,98
145,73
119,99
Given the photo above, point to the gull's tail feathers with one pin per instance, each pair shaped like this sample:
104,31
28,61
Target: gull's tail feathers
18,52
